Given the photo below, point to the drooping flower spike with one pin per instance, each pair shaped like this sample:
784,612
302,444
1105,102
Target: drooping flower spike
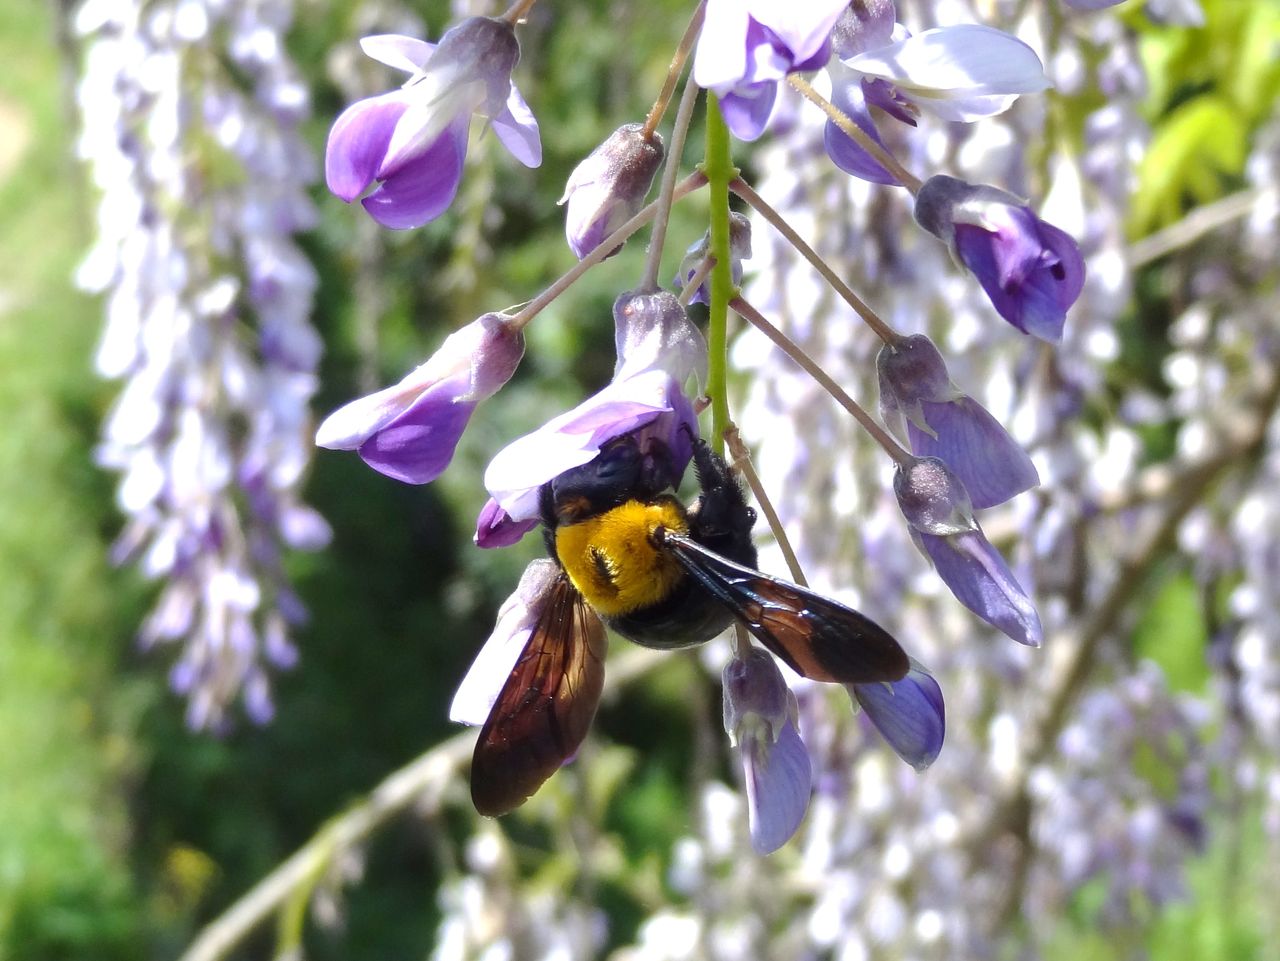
608,188
938,509
413,141
762,720
747,46
918,398
409,431
1031,271
659,349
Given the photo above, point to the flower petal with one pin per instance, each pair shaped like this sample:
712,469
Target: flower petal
418,445
517,128
721,55
747,109
909,714
358,143
396,50
495,528
804,26
778,779
352,424
953,63
422,189
991,464
981,580
841,148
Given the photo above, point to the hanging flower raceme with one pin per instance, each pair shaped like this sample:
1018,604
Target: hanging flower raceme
762,720
961,73
409,431
938,509
747,46
608,188
739,250
413,141
1031,270
918,398
909,714
658,350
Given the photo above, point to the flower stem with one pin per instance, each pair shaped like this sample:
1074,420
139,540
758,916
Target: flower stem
515,13
693,283
673,72
520,319
796,353
741,459
654,261
719,170
856,134
872,319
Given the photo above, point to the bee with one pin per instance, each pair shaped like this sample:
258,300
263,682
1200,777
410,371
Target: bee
665,575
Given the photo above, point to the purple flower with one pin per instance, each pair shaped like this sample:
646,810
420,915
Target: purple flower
937,507
849,94
409,431
658,350
761,718
413,141
1031,270
608,188
917,396
747,46
909,714
739,250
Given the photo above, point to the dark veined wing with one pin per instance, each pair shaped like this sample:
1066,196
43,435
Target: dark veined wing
816,636
545,707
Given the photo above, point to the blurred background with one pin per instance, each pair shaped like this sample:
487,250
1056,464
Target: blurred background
1140,817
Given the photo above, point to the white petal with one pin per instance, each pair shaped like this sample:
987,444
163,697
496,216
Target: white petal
403,53
721,54
968,60
517,128
352,424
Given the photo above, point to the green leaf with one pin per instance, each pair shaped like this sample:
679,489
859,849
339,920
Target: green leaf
1172,632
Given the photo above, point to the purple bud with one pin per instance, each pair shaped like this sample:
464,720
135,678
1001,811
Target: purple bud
608,188
409,431
739,250
1031,270
942,422
652,330
932,498
760,715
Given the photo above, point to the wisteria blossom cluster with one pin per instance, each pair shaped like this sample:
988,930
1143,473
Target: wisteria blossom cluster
952,456
191,114
934,281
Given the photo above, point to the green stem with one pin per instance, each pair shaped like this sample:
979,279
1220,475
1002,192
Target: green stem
719,170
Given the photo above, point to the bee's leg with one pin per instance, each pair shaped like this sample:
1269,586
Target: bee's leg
722,519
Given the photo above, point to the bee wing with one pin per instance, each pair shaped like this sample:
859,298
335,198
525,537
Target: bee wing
816,636
545,707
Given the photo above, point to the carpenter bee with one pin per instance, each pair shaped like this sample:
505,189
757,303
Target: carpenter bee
632,556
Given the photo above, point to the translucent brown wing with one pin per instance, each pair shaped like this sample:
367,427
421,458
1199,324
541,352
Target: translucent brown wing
818,637
545,707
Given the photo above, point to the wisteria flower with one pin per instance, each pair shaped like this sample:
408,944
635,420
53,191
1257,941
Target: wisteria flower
413,141
658,350
608,188
747,46
909,714
918,398
1031,271
962,73
762,719
938,509
739,250
409,431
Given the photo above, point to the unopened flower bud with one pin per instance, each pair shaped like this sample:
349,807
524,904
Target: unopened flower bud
865,25
608,188
1031,271
652,330
932,498
739,250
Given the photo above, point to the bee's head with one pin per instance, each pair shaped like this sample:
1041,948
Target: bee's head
622,471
